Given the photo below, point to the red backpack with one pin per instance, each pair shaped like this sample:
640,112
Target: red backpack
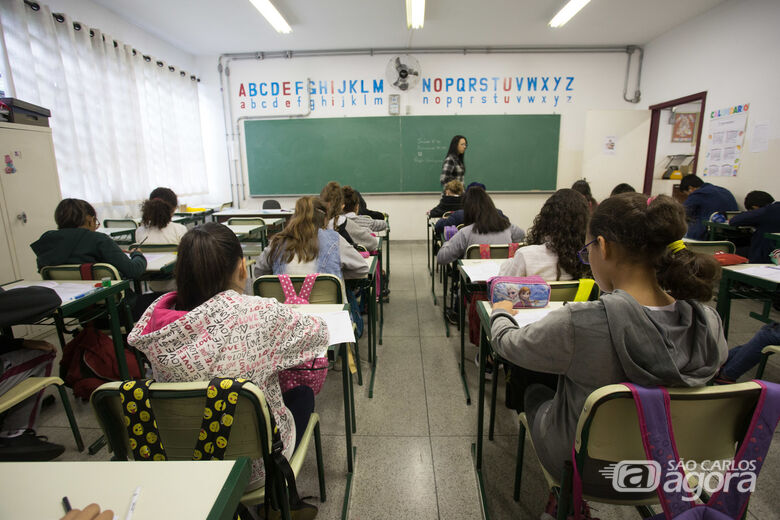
89,360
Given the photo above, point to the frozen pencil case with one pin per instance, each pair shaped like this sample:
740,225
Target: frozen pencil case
523,291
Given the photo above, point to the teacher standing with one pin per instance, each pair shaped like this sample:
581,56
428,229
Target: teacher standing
454,167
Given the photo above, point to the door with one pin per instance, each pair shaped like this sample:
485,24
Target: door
30,194
615,149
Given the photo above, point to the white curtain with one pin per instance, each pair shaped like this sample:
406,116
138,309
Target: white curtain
122,123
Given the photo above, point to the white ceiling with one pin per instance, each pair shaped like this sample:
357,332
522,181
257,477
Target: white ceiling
208,27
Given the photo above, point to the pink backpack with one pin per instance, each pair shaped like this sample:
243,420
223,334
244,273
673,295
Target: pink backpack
308,374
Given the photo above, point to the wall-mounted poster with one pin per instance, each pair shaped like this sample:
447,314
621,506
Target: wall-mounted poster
684,127
726,136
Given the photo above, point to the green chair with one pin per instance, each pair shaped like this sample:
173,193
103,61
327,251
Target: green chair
709,423
251,221
709,247
765,353
123,223
146,247
178,408
496,251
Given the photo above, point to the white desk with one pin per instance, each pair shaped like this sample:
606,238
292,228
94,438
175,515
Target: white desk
170,489
159,261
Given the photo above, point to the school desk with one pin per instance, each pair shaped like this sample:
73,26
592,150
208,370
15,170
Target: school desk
121,235
385,236
223,215
347,389
196,217
369,284
248,232
724,231
76,301
524,317
431,239
208,490
763,281
474,274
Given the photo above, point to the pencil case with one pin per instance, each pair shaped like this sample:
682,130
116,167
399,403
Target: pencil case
523,291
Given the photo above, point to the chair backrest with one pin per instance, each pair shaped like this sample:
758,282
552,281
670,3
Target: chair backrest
566,290
225,206
178,408
708,422
73,272
496,250
710,247
245,221
446,214
327,288
271,204
120,223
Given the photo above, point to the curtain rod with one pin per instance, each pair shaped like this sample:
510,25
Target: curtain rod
60,18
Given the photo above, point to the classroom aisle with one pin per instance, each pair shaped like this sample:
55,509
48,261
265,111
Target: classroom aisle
413,438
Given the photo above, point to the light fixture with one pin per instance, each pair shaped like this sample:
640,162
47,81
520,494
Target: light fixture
273,16
415,14
567,12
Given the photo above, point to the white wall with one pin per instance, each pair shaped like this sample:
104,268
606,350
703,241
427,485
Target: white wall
730,52
597,84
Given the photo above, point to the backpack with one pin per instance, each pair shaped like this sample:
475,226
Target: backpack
308,374
655,422
89,360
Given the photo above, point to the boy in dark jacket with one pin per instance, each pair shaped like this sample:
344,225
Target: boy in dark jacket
703,200
452,200
764,215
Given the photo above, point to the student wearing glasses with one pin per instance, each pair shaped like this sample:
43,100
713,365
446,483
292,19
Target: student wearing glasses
650,325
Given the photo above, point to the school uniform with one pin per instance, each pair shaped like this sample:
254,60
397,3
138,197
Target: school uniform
170,234
367,221
598,343
702,203
186,346
452,169
447,203
456,246
765,220
534,260
359,235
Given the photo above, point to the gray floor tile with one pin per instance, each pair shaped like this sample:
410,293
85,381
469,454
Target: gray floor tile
394,479
401,315
456,488
335,464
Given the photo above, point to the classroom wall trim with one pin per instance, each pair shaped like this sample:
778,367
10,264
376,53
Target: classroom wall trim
234,124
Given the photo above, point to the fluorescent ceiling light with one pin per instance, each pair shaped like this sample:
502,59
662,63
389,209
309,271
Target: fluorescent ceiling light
567,12
415,13
273,16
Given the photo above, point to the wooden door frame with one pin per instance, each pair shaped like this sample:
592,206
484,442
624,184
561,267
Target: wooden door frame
652,144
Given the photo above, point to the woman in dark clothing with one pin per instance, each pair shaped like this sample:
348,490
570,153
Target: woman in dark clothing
454,166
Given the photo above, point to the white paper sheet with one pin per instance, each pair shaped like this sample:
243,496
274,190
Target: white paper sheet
339,326
760,140
527,316
66,291
480,272
763,271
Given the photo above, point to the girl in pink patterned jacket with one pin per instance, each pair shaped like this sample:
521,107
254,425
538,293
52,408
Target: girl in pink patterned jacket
209,328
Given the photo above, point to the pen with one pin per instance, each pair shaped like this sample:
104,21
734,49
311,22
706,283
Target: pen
86,293
66,504
133,500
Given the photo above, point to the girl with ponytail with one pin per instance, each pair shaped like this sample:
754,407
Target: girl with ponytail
156,213
650,326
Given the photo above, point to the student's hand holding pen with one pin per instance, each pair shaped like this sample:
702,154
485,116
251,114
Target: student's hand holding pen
91,512
136,248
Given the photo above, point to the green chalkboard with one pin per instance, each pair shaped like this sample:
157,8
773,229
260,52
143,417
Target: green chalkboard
399,154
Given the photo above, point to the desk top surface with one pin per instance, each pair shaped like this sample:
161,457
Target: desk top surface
171,489
68,290
244,229
244,212
769,272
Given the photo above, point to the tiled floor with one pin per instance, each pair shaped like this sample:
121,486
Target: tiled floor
414,437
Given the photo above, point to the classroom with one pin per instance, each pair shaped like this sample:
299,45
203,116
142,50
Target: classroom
248,109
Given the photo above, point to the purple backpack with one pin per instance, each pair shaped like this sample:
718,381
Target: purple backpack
449,232
727,503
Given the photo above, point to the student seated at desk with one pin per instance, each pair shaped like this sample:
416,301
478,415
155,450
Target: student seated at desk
178,336
703,200
76,241
156,214
456,217
649,327
764,215
483,224
352,208
333,197
582,187
304,246
452,200
376,215
556,235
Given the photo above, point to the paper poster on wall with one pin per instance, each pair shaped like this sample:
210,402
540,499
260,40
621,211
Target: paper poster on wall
759,140
726,138
684,127
610,144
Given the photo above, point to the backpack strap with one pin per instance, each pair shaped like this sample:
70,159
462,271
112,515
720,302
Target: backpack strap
484,250
218,415
513,247
753,448
86,271
308,285
290,296
144,437
584,290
